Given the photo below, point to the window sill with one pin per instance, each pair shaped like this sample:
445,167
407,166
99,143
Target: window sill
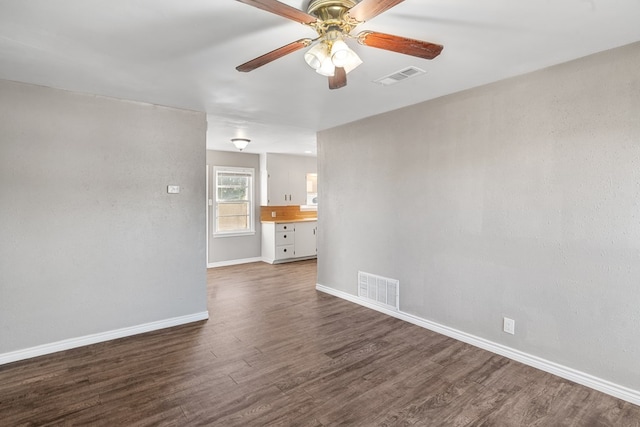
233,234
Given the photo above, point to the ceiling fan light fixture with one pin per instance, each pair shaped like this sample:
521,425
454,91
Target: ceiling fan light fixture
240,143
340,53
353,61
327,68
316,55
325,60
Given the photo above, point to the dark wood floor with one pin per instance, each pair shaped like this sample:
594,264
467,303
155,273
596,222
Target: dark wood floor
277,352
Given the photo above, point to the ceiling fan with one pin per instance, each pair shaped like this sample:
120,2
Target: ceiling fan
334,20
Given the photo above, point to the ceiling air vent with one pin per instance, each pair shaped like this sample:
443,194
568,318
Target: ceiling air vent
399,76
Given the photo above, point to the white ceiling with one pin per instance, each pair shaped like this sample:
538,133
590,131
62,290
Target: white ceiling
183,53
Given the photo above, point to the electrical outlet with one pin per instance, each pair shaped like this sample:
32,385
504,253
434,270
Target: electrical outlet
509,325
273,214
173,189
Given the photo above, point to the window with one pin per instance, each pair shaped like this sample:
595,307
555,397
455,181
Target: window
234,201
312,189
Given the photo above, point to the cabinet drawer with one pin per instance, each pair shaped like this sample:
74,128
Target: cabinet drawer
284,251
284,227
285,238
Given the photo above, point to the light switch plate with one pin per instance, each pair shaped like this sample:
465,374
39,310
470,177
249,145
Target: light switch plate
173,189
509,325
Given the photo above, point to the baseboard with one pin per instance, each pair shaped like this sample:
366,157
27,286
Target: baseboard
616,390
55,347
233,262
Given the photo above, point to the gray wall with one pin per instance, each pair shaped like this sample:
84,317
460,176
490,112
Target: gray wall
518,199
90,241
223,249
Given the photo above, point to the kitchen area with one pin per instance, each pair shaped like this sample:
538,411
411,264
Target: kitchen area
282,216
288,233
289,214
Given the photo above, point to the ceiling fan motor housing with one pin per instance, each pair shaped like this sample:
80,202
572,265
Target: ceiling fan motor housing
332,15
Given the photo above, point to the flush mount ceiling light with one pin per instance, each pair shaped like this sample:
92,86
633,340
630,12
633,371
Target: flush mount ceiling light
334,20
240,143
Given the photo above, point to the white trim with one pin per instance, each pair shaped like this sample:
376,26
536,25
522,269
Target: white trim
68,344
286,260
233,262
251,201
208,210
616,390
234,234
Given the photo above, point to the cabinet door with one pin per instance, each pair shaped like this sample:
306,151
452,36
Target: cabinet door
298,186
305,237
286,179
298,182
278,185
287,188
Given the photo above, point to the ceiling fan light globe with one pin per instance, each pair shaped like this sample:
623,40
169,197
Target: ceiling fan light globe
340,53
352,62
340,59
327,68
312,61
316,56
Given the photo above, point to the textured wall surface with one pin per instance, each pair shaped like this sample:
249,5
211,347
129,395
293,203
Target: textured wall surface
90,241
517,199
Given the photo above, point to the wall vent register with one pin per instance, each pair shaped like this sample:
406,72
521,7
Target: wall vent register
379,290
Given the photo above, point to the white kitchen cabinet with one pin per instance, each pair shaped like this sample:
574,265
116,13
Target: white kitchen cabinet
305,239
291,241
284,179
286,188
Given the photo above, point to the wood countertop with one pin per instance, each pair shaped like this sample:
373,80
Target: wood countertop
284,214
286,221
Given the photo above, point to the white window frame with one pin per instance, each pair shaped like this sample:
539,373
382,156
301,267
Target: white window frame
232,169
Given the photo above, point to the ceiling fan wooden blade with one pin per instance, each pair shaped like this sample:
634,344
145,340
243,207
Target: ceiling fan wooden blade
273,55
282,9
368,9
418,48
339,79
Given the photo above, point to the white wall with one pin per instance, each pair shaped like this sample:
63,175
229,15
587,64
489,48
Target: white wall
90,241
225,249
518,199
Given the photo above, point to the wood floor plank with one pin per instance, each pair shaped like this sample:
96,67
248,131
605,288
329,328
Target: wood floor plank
276,352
